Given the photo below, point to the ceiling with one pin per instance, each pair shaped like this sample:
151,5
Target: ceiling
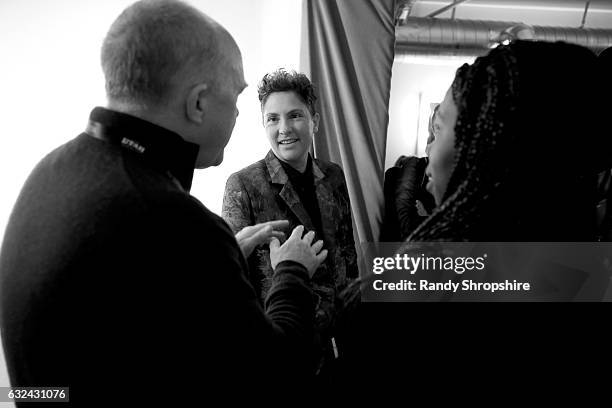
541,13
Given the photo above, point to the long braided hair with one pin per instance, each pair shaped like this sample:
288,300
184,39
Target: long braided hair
521,173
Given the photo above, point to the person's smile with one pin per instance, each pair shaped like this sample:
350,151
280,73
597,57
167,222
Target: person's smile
288,141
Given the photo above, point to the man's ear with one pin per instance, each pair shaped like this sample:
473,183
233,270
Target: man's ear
315,120
197,99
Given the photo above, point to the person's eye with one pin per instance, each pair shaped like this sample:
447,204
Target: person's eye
271,119
295,115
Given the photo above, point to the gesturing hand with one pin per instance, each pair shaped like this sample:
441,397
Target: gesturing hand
298,249
249,237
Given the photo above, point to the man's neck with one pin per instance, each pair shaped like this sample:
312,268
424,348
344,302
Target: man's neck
157,115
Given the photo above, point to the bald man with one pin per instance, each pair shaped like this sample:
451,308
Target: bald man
119,284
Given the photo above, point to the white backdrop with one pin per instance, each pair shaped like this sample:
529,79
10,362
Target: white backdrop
50,79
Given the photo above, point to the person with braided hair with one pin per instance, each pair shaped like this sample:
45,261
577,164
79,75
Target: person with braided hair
516,157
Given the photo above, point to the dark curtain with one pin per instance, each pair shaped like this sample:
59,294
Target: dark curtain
347,51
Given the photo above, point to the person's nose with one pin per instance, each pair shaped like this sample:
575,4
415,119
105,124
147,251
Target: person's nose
284,127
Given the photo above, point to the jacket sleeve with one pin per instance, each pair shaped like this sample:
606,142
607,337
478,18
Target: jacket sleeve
236,210
247,338
350,255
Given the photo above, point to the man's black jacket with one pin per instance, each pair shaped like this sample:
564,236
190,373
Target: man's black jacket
118,283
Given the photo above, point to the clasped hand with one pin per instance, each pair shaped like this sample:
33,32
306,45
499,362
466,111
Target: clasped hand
298,247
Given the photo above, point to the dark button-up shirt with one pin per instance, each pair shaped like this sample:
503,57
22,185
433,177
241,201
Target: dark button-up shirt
305,187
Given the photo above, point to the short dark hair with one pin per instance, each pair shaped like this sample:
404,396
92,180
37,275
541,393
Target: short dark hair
149,44
283,81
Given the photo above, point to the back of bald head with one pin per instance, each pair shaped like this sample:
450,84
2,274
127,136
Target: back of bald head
154,47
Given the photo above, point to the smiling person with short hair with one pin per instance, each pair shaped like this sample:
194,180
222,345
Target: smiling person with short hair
290,184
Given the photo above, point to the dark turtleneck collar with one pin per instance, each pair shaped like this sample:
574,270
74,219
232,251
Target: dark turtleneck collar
303,184
297,176
159,147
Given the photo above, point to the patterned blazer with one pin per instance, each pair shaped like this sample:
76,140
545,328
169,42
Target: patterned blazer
263,192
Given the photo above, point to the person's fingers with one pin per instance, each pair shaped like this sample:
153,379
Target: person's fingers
309,237
297,232
244,233
264,227
274,244
278,234
317,246
254,229
259,237
278,224
321,257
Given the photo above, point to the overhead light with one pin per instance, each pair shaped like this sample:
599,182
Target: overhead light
519,31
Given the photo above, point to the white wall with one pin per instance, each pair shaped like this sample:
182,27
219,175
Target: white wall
268,33
50,79
416,83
